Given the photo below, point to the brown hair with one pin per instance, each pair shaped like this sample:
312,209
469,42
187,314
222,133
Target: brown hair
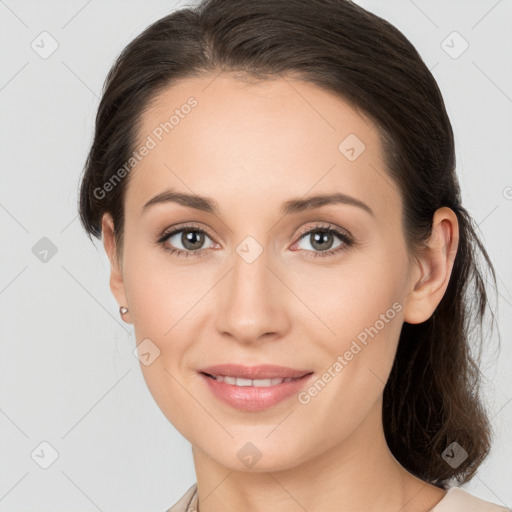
432,396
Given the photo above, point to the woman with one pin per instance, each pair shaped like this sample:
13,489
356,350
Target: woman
235,139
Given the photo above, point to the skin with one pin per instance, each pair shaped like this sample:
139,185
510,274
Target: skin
251,147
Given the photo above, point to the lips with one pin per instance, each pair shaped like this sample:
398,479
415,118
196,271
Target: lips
260,372
254,388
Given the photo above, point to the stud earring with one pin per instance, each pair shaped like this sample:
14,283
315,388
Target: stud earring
123,310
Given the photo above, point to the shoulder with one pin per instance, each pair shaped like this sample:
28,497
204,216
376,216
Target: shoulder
459,500
187,503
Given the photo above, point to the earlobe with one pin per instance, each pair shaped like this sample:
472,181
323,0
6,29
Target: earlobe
434,268
116,274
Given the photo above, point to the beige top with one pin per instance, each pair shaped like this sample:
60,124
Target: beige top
455,500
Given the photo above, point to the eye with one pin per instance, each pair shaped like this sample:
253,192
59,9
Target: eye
190,237
321,239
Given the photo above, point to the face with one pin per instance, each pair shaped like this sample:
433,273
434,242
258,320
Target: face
319,287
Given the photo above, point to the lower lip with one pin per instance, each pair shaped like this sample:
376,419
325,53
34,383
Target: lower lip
251,398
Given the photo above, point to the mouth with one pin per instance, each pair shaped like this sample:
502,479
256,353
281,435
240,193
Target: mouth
253,389
243,382
259,372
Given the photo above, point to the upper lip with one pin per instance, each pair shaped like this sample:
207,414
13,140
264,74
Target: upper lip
264,371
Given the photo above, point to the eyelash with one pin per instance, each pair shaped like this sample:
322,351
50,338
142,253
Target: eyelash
346,239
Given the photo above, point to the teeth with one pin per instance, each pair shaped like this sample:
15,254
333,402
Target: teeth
239,381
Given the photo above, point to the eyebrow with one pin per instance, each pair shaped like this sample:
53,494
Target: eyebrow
209,205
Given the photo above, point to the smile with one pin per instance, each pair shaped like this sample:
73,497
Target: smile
241,381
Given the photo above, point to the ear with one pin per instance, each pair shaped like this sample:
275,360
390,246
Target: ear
116,271
431,273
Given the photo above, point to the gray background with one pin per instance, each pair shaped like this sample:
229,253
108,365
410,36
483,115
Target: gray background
68,376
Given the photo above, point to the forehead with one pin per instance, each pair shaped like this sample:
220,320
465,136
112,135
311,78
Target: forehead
225,138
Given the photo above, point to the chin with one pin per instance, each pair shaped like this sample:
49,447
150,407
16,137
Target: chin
252,457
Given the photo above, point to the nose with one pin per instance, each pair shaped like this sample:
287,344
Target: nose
252,300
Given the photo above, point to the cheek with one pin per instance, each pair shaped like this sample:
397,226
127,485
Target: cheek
358,307
162,297
160,291
365,314
342,301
